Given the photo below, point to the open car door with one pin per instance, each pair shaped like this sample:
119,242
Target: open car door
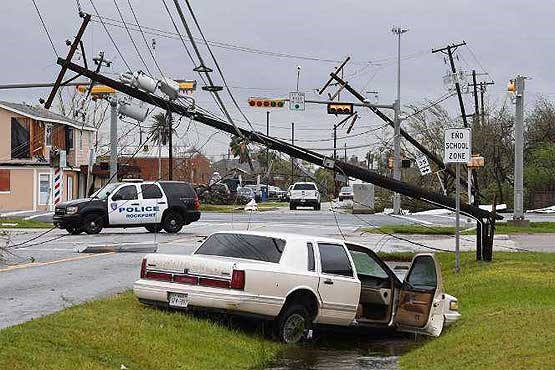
420,308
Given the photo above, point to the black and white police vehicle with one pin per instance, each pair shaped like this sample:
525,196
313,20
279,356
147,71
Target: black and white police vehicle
166,205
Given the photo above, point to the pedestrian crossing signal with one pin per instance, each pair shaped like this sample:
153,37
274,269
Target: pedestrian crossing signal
266,103
340,108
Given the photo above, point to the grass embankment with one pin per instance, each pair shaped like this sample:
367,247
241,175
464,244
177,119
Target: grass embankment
230,208
501,228
508,315
19,223
108,333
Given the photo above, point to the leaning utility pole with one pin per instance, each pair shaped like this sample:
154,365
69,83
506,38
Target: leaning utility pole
397,120
518,213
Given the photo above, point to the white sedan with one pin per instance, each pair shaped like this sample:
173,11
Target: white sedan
298,281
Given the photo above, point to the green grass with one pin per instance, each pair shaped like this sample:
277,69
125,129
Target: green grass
107,333
501,228
230,208
508,315
23,224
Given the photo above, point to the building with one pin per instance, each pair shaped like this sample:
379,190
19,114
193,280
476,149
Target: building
29,138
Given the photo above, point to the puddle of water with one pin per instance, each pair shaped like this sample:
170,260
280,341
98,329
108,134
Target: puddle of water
334,351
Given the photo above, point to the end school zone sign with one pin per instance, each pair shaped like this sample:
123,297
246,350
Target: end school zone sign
458,144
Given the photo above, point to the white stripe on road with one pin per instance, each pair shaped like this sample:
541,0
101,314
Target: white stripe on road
38,215
7,214
413,219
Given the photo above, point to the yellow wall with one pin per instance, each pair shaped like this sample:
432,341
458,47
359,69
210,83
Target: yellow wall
20,196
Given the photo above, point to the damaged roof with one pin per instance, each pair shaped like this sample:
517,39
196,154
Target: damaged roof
40,114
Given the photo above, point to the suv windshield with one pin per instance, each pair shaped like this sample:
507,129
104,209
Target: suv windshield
103,193
304,187
252,247
346,189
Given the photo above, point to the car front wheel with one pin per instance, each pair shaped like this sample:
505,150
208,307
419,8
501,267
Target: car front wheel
154,228
292,325
93,224
74,230
173,222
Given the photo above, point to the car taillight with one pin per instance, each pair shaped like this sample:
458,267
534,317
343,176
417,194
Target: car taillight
215,283
238,280
143,268
197,204
185,279
162,276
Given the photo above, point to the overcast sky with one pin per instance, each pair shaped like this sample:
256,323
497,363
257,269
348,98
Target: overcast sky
505,38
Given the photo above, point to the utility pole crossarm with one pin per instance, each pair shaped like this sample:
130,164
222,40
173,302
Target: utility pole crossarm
452,47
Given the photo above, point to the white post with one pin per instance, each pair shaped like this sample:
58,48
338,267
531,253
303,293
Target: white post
457,218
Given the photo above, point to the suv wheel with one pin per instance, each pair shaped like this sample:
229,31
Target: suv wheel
292,324
74,230
93,224
292,206
156,228
173,222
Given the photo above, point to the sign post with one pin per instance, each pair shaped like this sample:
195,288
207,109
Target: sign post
457,150
296,101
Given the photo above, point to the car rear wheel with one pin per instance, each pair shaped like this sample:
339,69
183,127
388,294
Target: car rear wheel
154,228
173,222
74,230
93,224
292,325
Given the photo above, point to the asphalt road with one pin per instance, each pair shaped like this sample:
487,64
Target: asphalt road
46,274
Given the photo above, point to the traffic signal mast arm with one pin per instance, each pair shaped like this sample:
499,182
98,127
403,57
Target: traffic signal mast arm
285,147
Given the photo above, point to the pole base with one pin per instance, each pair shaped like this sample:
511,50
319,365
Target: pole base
519,223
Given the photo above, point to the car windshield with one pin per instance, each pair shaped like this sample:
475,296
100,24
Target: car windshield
304,187
103,193
346,189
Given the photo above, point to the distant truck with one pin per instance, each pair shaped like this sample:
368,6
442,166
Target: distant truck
304,194
167,205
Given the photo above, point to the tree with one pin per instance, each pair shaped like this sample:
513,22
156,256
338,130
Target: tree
159,133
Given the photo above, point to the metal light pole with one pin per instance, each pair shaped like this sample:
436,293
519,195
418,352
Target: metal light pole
397,120
292,143
518,214
113,140
298,76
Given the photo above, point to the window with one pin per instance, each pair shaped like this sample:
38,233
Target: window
69,138
151,191
311,265
48,132
304,187
334,260
4,180
128,192
44,188
367,266
178,190
20,139
422,274
252,247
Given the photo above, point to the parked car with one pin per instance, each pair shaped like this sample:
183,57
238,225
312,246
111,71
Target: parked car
345,193
298,281
159,205
246,193
288,194
304,194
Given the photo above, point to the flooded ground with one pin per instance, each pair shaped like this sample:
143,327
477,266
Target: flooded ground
336,350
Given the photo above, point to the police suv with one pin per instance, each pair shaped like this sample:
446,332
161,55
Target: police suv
156,205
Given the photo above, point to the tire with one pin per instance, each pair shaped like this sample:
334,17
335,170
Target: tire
292,206
293,324
317,207
93,224
74,230
154,228
173,222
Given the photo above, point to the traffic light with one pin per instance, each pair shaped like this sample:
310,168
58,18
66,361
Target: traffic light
266,103
340,108
511,87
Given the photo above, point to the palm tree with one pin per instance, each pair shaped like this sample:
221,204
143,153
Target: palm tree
159,132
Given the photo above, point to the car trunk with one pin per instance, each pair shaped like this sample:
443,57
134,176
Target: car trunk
191,265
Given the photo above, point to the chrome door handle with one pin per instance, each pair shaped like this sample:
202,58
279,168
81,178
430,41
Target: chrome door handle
134,204
328,281
161,202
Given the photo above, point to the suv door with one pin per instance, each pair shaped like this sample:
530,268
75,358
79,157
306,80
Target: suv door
420,308
123,205
154,202
338,287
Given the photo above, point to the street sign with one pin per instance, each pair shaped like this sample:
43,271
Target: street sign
296,101
457,145
423,165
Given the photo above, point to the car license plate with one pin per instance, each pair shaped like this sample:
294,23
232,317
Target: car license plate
178,300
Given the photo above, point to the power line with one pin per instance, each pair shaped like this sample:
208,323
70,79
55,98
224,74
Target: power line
45,28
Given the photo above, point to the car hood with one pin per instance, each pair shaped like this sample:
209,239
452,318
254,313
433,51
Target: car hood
74,202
